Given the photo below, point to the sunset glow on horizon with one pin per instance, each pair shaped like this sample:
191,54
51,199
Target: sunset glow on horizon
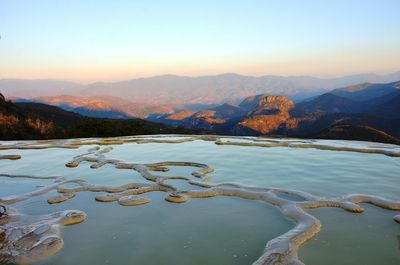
87,41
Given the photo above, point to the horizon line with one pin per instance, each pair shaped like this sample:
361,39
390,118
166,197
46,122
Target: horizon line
333,76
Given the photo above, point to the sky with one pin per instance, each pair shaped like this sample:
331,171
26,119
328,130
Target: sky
95,40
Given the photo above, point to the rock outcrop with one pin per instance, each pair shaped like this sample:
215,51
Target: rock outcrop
260,114
269,113
326,116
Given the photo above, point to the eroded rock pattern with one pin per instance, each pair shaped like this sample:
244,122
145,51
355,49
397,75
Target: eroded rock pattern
24,239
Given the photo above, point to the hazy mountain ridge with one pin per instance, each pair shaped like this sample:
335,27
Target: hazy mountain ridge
367,91
183,90
375,99
41,121
364,111
328,103
34,88
103,106
226,87
377,116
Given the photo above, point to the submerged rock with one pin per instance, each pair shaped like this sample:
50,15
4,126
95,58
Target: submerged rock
133,200
397,218
10,157
61,198
177,198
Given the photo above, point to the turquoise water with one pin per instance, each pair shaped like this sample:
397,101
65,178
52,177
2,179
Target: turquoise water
216,230
368,238
303,169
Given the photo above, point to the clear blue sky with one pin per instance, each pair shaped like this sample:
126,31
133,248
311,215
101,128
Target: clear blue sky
112,40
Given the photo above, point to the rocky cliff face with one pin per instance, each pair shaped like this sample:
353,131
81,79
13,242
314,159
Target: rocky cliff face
215,117
269,113
260,114
265,104
277,115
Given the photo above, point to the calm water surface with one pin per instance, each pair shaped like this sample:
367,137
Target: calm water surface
216,230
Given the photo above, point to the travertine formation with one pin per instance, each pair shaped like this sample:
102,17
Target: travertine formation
25,239
10,157
38,237
269,113
397,218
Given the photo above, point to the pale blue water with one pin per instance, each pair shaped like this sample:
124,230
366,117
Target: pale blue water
216,230
346,238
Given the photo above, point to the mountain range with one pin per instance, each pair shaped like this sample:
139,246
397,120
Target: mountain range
41,121
375,99
364,111
183,90
103,106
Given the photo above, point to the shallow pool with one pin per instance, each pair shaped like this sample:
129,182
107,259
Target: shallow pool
217,230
